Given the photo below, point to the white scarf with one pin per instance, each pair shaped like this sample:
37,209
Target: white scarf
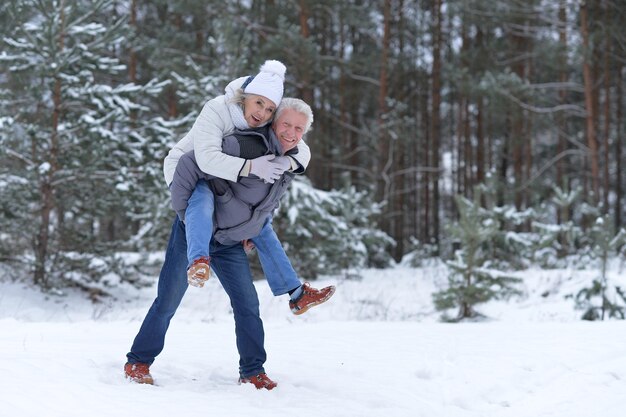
236,114
236,111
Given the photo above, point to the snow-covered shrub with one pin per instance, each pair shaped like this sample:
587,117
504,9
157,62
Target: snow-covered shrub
601,300
330,231
419,253
98,275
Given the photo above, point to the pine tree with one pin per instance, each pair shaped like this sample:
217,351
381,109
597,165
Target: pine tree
568,232
72,153
602,298
471,281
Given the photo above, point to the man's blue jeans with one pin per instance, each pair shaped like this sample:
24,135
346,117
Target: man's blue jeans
280,275
230,263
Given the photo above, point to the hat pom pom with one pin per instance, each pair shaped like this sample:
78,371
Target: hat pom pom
274,67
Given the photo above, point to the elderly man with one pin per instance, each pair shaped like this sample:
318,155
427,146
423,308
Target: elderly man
243,211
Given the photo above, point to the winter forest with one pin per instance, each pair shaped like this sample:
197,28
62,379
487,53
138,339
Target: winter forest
487,135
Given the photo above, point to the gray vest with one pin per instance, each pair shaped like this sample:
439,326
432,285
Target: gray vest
241,208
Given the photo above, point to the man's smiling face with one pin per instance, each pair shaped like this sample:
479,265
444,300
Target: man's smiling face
289,128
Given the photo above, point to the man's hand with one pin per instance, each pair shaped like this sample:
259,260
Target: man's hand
265,168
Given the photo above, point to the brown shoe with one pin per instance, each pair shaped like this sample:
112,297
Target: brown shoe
310,297
260,381
139,373
199,272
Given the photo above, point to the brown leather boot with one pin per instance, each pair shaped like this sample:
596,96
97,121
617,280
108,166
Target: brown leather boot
199,271
310,297
260,381
139,373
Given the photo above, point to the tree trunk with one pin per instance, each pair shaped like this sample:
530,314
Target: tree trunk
590,118
607,111
350,143
468,154
466,311
561,165
132,63
384,146
528,138
460,160
306,91
466,127
320,159
46,187
426,204
619,171
436,118
480,138
504,161
172,102
461,126
517,133
401,164
480,142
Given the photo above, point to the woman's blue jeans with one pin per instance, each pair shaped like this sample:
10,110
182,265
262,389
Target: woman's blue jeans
280,275
231,266
199,221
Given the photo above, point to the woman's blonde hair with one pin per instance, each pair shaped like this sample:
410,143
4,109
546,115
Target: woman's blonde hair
238,97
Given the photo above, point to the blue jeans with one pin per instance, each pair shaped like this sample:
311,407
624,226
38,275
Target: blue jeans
280,275
230,263
199,221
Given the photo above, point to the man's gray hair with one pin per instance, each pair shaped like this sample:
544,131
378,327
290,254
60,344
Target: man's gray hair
298,105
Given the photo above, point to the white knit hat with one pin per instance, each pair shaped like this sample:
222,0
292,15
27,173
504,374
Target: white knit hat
269,81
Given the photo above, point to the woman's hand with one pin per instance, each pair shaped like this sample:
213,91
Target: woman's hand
248,246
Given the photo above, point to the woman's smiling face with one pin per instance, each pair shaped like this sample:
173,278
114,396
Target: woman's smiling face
258,110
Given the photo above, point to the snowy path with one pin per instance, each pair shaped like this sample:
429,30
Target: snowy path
333,368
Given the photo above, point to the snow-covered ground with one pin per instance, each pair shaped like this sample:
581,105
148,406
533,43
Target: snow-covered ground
375,349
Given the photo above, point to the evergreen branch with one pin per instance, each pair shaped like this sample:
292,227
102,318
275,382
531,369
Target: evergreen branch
576,110
549,164
29,162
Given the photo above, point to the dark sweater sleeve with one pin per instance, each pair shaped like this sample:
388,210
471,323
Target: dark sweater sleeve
186,176
292,154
